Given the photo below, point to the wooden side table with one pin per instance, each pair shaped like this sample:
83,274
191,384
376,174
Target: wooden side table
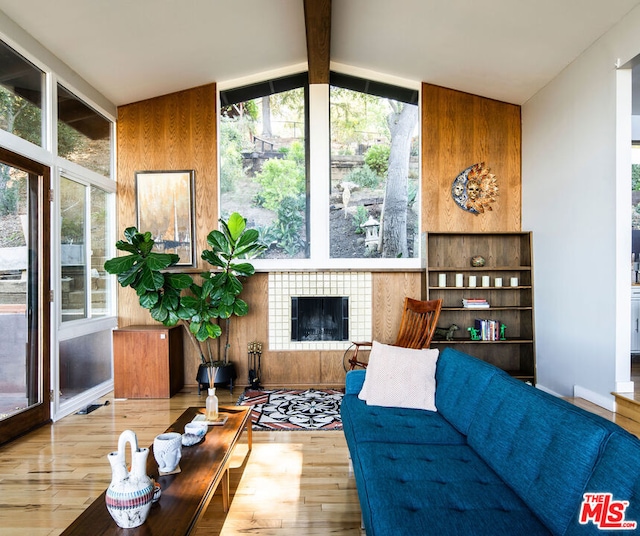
147,361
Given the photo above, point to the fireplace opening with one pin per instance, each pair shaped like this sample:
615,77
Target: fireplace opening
319,318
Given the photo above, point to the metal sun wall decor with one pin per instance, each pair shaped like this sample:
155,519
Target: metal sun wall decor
475,189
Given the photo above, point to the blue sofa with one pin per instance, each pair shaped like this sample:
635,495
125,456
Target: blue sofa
498,457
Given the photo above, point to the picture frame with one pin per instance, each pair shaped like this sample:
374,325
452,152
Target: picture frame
165,207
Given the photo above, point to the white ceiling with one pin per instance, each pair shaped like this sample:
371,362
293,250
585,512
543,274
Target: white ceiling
131,50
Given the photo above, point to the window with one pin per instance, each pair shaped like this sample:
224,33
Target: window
83,249
21,96
374,169
263,162
84,136
340,195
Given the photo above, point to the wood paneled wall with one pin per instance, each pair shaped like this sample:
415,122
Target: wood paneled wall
459,130
171,132
178,131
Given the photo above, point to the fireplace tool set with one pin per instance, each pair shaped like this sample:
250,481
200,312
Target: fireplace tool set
254,354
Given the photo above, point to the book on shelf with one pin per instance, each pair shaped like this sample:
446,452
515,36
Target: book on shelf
475,303
488,330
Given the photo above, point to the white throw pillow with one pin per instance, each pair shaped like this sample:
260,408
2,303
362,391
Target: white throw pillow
400,377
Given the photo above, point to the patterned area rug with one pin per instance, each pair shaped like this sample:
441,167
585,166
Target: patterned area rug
289,409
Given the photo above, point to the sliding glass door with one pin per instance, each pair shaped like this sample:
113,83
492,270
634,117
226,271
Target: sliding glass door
24,295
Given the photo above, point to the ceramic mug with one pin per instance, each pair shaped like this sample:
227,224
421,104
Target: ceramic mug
167,450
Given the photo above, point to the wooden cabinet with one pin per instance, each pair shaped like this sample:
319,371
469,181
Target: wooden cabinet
507,256
147,362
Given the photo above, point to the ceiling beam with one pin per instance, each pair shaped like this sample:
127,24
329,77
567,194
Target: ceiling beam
317,22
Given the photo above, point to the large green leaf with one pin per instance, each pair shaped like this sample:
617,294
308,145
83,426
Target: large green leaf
213,258
131,276
244,268
151,280
179,281
213,330
149,300
240,307
236,225
160,261
130,233
159,313
117,265
171,301
126,246
218,242
233,285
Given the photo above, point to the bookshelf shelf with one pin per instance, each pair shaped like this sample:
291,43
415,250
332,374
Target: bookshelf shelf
508,256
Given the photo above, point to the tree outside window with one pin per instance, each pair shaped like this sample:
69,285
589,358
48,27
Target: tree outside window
374,174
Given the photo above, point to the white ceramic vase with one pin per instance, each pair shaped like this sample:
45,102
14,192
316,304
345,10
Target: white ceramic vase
130,494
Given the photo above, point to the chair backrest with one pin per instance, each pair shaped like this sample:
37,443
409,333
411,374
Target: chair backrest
418,323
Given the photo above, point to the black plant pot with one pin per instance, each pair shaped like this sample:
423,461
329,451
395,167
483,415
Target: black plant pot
225,375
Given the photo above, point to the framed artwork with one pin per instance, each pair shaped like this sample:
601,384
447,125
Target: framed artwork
165,207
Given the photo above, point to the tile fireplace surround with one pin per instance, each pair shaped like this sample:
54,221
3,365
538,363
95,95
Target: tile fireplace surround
285,285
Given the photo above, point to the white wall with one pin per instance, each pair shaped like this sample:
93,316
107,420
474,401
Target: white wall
576,199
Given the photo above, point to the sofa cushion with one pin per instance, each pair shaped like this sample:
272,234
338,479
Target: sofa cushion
411,426
461,380
621,457
543,447
400,377
436,489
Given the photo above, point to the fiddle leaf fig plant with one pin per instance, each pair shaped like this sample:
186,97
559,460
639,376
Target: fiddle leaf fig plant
173,298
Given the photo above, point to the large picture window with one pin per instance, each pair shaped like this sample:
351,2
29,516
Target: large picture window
374,210
263,169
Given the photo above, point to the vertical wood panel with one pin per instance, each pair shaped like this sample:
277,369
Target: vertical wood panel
459,130
171,132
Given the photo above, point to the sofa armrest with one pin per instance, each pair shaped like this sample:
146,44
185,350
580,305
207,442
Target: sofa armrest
354,381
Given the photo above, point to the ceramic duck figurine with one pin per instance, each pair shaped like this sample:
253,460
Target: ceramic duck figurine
130,494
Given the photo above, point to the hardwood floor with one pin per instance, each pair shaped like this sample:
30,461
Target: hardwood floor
292,483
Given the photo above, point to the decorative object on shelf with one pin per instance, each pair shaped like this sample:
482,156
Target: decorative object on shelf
472,281
130,493
503,337
216,298
514,281
446,333
459,280
164,203
442,280
211,405
486,281
478,261
473,332
475,189
498,282
475,303
167,450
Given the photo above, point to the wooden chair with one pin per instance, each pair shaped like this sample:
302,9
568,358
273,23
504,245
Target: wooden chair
418,324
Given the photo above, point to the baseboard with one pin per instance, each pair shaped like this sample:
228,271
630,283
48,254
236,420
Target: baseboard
607,402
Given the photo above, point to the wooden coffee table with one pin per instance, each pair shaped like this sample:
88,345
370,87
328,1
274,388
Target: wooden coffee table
185,495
